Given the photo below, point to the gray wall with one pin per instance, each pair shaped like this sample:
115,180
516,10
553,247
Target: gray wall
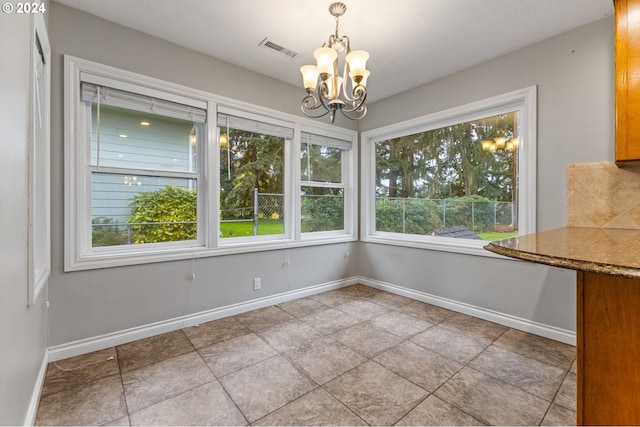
574,75
90,303
22,329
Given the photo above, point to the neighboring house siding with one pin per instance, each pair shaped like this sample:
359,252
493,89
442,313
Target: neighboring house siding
163,145
110,196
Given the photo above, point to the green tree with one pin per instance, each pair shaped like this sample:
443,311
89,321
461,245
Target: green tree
172,207
320,163
448,162
250,160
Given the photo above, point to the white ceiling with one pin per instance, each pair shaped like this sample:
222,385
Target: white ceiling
411,42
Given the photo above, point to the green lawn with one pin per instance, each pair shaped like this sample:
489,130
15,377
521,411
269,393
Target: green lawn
266,227
238,229
492,236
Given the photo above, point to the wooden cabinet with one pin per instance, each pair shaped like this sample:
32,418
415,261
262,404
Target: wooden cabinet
608,349
627,93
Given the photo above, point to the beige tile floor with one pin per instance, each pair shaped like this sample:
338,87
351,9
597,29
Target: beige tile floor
353,356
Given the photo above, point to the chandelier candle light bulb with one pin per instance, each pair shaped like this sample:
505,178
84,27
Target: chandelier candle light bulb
327,91
325,58
357,61
309,77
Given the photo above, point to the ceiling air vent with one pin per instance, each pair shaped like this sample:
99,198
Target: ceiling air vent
275,47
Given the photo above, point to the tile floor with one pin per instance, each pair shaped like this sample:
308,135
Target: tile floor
352,356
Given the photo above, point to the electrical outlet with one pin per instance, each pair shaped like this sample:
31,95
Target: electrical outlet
257,283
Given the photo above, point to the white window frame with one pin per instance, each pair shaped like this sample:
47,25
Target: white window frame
288,210
39,235
84,152
348,184
523,101
79,255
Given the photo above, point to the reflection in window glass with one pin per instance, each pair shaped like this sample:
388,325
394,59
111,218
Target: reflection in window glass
455,181
137,140
136,209
129,206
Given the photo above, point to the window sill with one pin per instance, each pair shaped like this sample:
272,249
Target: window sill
441,244
120,259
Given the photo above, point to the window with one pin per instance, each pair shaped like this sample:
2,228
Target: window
143,167
156,171
252,176
456,179
322,188
39,159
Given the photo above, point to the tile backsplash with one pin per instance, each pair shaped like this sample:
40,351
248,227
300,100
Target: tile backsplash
603,195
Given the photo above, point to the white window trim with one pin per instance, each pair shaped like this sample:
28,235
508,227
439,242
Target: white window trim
523,100
77,204
288,208
39,234
83,169
348,185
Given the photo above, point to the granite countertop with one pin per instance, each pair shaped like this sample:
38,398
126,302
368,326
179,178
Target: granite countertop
597,250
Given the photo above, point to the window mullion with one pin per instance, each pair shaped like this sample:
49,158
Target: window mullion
211,160
289,203
349,179
296,174
143,172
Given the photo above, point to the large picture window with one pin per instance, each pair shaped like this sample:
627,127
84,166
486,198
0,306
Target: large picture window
156,171
455,180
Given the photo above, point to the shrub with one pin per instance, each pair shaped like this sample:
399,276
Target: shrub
322,213
412,216
106,232
173,207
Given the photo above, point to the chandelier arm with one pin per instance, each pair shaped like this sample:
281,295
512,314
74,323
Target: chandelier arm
323,94
330,42
309,104
323,91
360,113
358,102
344,85
347,44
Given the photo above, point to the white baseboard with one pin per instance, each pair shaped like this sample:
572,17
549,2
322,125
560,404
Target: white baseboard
121,337
32,410
89,345
547,331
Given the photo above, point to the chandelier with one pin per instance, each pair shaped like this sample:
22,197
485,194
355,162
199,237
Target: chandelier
327,91
501,143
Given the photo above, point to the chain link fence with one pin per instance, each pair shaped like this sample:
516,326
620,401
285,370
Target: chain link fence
422,216
266,216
